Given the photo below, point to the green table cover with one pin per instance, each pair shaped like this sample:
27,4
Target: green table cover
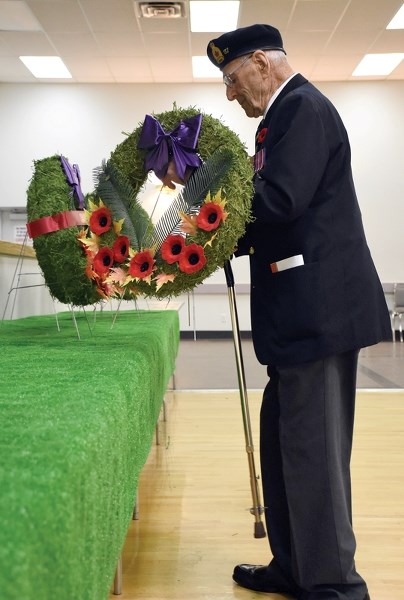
76,424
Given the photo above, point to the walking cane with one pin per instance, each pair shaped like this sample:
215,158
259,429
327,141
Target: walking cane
257,509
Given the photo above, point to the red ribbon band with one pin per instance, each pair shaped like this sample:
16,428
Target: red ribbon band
63,220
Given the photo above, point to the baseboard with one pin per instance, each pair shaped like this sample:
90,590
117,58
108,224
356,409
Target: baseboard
213,335
227,335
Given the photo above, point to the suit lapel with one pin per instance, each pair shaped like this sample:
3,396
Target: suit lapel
294,83
259,158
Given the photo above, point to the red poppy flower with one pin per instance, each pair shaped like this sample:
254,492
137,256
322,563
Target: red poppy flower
261,135
100,220
103,260
210,216
192,259
141,265
120,248
172,248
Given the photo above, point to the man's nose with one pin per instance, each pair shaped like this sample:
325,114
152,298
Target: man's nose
230,93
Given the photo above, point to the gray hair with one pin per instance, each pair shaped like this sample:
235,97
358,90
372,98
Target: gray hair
276,56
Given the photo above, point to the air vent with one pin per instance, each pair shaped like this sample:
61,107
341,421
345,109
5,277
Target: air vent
161,10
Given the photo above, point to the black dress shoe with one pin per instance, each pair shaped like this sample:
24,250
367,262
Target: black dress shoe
264,579
305,596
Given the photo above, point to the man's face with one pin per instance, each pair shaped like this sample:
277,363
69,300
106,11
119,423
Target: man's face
244,84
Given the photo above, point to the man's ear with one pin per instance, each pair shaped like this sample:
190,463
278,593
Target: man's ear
261,60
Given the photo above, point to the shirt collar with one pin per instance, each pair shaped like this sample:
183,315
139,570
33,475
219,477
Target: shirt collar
276,94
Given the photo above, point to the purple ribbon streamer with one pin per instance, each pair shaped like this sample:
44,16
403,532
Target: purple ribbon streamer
178,144
73,179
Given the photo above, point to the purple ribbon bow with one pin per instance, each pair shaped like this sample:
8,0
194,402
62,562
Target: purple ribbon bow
73,179
178,144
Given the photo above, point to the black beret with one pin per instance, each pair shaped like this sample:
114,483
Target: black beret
242,41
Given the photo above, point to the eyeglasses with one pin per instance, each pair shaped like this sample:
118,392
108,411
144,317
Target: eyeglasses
228,79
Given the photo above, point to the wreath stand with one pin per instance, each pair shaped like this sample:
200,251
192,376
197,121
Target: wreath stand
15,284
257,509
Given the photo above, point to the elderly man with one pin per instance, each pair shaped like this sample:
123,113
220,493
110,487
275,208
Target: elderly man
315,301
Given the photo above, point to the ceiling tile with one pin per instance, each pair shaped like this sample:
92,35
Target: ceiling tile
199,43
274,12
178,26
88,32
23,43
74,44
180,70
15,15
166,44
391,40
308,42
5,49
314,15
12,69
370,14
343,43
105,15
328,66
61,16
124,44
303,63
130,70
91,70
398,73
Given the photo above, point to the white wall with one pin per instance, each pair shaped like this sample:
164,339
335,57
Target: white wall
85,123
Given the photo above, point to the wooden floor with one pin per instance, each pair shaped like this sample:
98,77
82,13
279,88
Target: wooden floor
194,523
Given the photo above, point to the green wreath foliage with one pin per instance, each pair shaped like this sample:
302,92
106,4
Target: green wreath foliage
62,256
236,188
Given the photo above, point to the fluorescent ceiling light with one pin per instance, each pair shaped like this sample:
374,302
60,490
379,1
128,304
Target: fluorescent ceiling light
46,67
203,68
378,64
214,15
397,22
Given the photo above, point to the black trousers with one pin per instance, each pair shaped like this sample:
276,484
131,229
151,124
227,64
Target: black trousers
307,419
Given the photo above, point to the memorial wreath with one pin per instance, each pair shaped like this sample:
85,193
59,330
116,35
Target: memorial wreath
105,245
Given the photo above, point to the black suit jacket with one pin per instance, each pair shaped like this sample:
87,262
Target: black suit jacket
305,203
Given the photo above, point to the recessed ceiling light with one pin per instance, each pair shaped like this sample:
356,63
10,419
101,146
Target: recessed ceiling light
378,64
203,68
46,67
397,22
214,15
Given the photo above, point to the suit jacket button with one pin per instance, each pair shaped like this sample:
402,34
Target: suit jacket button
251,250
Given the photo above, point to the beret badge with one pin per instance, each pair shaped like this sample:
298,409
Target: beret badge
216,53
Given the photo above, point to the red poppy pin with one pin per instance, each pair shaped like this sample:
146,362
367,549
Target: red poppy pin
261,135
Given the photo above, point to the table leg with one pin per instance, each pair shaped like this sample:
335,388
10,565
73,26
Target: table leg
118,578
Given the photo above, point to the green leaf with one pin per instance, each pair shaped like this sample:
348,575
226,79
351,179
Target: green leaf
206,178
117,193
